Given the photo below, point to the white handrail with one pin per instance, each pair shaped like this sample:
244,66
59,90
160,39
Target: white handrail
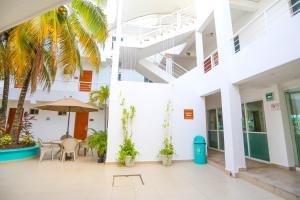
179,66
255,18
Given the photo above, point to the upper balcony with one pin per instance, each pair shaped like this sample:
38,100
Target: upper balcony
265,38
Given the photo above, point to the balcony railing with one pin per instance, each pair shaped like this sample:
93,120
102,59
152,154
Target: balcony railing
211,61
261,24
159,26
172,68
66,85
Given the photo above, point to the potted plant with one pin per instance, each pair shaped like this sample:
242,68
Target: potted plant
98,141
127,152
167,151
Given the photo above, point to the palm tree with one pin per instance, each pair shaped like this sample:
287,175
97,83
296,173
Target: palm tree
99,98
5,74
56,38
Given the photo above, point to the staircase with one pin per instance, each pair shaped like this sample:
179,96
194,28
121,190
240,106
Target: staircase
144,40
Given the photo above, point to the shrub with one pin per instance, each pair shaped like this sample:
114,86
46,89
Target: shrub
98,141
6,140
27,139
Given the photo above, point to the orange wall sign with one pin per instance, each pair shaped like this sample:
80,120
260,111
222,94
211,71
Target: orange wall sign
188,114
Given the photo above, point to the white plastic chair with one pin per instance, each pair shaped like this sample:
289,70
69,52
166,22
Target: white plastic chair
69,147
45,147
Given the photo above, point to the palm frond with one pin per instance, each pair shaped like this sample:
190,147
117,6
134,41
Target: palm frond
69,57
88,44
93,18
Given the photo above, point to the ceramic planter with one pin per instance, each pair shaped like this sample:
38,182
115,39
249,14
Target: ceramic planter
166,159
129,161
101,158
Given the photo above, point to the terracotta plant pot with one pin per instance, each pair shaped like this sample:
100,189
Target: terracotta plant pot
129,161
166,160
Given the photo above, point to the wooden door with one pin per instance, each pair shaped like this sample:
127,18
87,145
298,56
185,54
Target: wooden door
81,125
11,116
86,81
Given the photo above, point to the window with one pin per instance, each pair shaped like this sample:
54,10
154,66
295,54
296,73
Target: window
295,6
34,111
119,76
62,113
236,42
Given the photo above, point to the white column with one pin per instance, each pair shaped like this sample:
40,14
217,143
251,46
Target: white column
203,124
112,129
233,130
224,30
199,50
169,64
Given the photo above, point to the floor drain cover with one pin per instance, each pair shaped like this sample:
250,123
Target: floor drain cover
126,176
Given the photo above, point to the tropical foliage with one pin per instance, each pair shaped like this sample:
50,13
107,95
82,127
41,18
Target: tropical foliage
167,147
99,98
128,147
33,51
98,141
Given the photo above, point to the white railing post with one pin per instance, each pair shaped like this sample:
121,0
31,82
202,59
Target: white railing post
160,27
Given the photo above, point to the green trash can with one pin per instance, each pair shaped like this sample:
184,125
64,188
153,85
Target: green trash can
199,150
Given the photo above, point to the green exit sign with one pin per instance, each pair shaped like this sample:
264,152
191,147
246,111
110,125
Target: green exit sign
269,96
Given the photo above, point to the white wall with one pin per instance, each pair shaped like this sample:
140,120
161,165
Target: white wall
150,101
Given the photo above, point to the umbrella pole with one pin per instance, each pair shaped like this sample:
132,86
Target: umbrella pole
68,123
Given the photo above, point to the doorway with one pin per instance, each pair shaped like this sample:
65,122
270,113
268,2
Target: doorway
81,125
293,102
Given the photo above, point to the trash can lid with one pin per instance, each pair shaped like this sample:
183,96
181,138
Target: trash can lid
199,139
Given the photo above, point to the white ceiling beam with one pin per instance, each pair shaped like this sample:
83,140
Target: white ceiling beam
244,5
14,12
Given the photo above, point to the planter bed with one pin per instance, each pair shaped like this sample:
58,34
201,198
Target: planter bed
19,153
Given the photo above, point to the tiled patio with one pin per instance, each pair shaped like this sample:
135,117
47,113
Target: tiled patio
278,181
85,179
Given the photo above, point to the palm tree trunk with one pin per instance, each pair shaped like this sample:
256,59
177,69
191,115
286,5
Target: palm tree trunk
3,110
17,119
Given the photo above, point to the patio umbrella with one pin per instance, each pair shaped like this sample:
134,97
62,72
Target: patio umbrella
67,105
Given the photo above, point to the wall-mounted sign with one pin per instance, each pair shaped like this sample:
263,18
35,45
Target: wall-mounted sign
188,114
269,96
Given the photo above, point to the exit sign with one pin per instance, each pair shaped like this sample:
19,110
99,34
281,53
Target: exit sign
269,96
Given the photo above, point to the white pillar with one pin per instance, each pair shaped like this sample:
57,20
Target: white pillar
199,50
203,124
169,64
224,30
233,130
112,129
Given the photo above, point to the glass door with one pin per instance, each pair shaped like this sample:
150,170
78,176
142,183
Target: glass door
294,112
215,129
254,131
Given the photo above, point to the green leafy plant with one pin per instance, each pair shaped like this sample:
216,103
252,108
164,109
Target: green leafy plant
98,141
27,139
168,147
128,147
6,140
99,98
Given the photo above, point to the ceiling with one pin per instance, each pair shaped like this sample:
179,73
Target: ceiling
138,8
278,75
14,12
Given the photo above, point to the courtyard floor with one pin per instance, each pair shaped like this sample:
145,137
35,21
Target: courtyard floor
84,179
